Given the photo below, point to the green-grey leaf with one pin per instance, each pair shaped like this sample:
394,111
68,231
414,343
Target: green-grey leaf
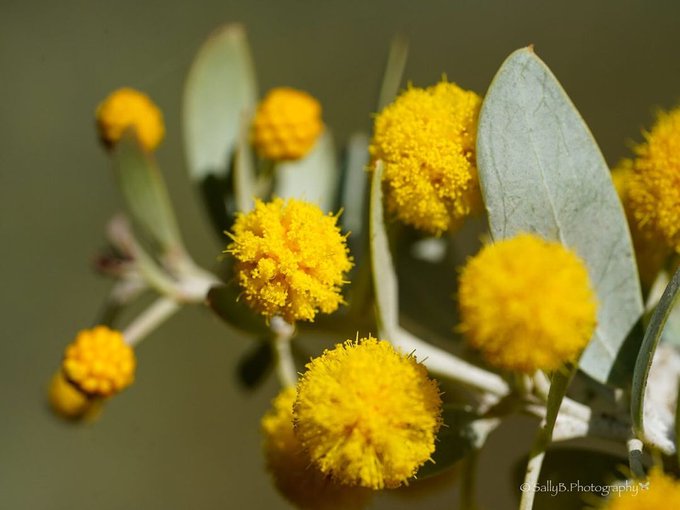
244,171
313,178
541,171
384,275
462,431
646,355
145,193
220,87
355,185
394,70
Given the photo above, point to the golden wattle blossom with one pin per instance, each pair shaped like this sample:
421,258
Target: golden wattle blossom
367,414
426,141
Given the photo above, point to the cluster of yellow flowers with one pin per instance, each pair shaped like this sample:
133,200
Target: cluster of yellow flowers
365,416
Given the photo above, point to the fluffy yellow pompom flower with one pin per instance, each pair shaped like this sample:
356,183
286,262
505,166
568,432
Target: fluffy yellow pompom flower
128,108
367,414
426,140
291,259
660,493
651,251
99,362
654,187
301,483
527,304
286,124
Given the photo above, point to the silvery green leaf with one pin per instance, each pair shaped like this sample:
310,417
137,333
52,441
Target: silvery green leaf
394,70
355,184
145,194
244,171
384,275
541,171
313,178
649,344
220,87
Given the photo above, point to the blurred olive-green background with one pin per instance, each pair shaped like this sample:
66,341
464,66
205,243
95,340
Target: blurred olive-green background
185,435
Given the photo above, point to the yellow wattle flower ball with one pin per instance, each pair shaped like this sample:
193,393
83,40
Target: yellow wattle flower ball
286,125
294,476
660,492
128,108
651,252
291,259
367,414
654,187
99,362
426,140
527,304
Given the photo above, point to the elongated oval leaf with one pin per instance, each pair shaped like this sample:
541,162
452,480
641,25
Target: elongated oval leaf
145,193
313,178
220,87
244,171
541,171
646,355
384,275
355,185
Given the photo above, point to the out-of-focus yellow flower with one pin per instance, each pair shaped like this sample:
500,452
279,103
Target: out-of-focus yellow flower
286,125
68,401
660,492
128,108
651,251
294,476
426,140
654,186
527,304
291,259
367,414
99,362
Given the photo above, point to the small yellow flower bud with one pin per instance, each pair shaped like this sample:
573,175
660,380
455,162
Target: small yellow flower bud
291,259
286,125
367,414
68,401
294,476
128,108
99,362
426,141
527,304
